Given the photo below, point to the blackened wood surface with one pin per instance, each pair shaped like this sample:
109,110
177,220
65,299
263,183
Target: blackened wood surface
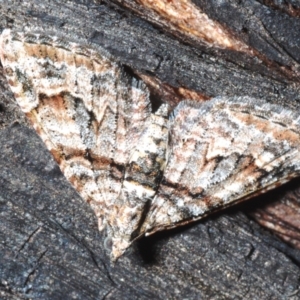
50,246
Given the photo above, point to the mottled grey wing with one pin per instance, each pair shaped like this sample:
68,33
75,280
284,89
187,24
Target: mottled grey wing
220,152
88,113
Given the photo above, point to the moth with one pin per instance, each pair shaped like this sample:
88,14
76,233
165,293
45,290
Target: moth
144,170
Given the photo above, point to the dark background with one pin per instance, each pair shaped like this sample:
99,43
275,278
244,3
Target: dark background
50,247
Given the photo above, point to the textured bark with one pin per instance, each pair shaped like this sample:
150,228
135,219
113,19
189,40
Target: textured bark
50,245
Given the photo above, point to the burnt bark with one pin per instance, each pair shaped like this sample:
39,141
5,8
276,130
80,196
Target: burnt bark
50,245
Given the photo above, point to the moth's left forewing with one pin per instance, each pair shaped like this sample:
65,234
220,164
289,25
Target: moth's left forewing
222,152
86,109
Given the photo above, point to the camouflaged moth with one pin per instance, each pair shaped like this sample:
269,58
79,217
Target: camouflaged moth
144,171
